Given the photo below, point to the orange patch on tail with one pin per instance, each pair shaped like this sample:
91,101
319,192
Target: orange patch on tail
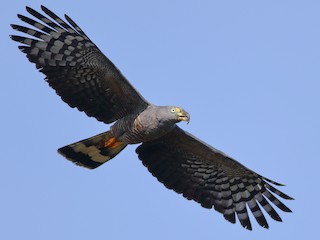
112,143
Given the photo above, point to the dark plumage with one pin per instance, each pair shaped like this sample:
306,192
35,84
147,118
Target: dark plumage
86,79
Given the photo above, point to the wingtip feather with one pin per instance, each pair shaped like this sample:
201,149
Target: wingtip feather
29,9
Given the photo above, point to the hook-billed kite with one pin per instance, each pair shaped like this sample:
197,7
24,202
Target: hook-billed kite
86,79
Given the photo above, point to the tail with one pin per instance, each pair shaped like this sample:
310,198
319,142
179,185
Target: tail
94,151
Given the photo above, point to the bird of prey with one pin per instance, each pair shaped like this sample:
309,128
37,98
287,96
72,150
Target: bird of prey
86,79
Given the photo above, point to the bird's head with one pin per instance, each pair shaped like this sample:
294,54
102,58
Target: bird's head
179,114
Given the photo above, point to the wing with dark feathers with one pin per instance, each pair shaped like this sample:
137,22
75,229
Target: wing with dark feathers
202,173
79,72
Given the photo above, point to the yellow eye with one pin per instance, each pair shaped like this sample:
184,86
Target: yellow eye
173,110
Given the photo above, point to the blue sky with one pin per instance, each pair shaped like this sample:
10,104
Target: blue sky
246,71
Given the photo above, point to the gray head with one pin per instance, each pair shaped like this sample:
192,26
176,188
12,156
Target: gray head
174,114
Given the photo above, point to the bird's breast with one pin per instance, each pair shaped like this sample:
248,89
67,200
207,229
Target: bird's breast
142,129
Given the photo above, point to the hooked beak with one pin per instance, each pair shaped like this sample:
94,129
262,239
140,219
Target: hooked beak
183,116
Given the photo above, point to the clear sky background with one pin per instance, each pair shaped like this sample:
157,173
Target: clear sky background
246,71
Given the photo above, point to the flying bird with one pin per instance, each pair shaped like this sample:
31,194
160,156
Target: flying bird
86,79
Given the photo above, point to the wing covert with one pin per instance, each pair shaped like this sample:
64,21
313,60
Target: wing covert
204,174
74,66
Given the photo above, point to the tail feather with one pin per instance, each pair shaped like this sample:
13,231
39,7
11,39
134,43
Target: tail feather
94,151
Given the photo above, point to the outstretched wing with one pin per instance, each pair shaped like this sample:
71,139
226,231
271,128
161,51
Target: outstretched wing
213,179
76,68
